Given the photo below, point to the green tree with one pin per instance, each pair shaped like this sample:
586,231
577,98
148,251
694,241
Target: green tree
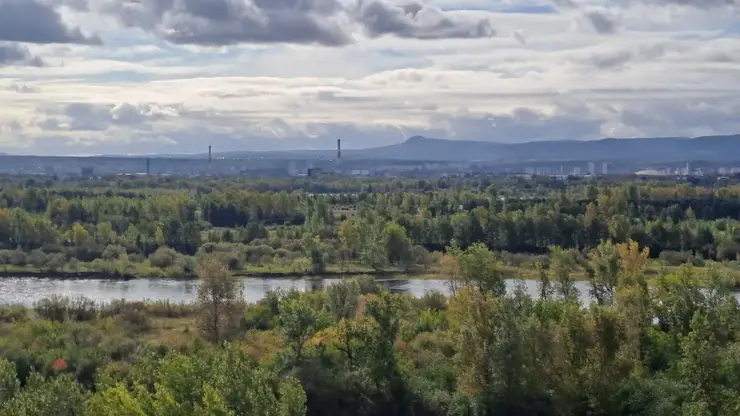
300,320
480,269
397,245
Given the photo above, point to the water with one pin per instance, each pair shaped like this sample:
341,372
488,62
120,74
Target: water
26,291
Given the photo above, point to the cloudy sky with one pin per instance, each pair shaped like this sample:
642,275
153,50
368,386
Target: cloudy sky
148,76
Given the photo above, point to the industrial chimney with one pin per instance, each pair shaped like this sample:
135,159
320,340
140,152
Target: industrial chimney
339,149
209,158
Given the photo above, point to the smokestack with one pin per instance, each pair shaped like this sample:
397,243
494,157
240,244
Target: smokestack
339,149
148,165
209,158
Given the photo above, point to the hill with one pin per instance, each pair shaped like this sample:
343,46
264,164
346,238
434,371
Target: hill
418,148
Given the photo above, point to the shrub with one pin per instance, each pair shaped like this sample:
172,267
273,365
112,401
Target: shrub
368,285
258,317
82,309
167,309
435,301
13,313
37,259
59,309
55,261
53,308
135,320
163,258
114,252
676,258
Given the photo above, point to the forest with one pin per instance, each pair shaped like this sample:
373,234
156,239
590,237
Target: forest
660,334
160,227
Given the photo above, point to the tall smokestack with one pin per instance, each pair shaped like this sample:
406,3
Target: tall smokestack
209,158
339,149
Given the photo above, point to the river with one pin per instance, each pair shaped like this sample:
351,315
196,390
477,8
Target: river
26,291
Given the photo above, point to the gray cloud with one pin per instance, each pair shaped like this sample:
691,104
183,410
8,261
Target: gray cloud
15,54
601,22
101,117
31,21
701,4
616,59
520,37
419,22
323,22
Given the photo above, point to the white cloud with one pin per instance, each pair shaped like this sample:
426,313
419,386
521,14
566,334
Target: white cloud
592,69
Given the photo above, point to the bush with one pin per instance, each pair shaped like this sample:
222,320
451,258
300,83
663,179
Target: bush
435,301
167,309
55,261
59,309
13,258
135,320
728,250
13,313
163,258
258,317
37,259
53,308
676,258
114,252
368,285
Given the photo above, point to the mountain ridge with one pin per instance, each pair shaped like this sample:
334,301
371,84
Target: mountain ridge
420,148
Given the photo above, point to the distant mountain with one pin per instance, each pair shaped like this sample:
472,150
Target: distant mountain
665,149
418,148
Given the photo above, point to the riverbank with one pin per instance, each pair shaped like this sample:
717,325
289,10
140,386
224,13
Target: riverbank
21,272
435,272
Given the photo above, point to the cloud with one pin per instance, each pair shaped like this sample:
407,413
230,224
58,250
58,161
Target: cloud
520,37
15,54
320,22
87,117
417,21
403,68
31,21
602,23
700,4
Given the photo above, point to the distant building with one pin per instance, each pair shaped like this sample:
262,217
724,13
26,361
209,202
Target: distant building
591,168
576,171
650,172
314,171
604,168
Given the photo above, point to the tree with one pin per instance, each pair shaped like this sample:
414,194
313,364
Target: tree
397,244
479,268
114,401
604,266
300,321
344,298
349,235
562,263
79,235
219,300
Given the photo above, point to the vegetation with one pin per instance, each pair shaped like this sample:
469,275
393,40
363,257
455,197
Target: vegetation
161,227
355,349
660,336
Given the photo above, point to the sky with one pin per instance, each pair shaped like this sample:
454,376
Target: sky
84,77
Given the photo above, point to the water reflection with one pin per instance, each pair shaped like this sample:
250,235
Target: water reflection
29,290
